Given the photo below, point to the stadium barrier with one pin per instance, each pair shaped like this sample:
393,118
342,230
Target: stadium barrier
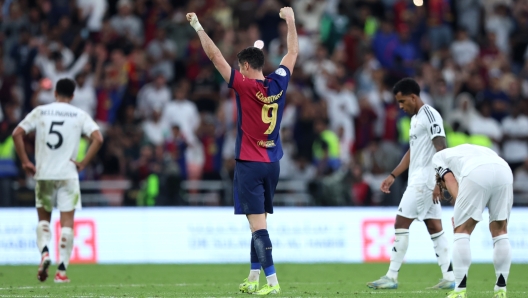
215,235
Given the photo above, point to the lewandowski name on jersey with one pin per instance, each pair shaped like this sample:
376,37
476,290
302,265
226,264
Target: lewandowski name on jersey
260,105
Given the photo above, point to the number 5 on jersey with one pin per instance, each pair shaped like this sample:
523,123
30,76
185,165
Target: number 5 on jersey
59,135
271,120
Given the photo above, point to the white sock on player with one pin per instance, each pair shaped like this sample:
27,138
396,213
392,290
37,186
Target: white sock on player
501,260
401,242
441,247
461,260
43,235
272,280
254,275
65,246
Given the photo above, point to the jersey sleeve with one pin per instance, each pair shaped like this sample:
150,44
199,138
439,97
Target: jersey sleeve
89,126
434,123
30,122
440,164
236,79
282,76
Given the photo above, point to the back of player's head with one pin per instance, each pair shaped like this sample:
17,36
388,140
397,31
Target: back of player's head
65,88
406,86
253,56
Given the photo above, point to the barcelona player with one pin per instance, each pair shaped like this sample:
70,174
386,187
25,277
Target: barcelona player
260,103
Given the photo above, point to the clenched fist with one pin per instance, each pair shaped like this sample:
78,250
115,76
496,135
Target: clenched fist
286,13
193,19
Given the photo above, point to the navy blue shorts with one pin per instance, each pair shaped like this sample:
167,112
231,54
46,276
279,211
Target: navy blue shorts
254,186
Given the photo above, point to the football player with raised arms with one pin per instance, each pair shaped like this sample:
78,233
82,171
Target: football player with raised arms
59,127
260,103
421,200
476,177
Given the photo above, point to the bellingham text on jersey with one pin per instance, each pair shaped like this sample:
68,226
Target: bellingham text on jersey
268,99
58,113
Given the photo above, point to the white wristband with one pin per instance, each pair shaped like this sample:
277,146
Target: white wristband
196,25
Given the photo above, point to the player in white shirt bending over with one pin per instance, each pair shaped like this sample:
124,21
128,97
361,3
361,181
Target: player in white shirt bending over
476,177
59,127
427,136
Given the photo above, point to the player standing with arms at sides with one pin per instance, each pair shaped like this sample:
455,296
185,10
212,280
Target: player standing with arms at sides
476,177
59,127
420,201
260,103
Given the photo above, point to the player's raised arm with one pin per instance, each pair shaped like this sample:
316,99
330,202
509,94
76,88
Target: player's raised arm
286,13
210,48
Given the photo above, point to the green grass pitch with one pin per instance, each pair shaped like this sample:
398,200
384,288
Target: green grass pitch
297,280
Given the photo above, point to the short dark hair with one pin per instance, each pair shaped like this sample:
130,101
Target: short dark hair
65,87
406,86
252,55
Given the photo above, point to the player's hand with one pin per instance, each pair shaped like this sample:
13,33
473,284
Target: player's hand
286,13
80,165
438,195
193,20
386,184
29,168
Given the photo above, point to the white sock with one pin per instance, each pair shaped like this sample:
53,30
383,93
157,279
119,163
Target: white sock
401,242
461,260
501,260
272,280
254,275
65,246
43,235
441,248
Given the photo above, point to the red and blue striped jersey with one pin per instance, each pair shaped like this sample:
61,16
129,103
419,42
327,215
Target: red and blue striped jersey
260,105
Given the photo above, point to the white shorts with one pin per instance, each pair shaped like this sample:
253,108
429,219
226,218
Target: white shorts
489,186
417,203
65,194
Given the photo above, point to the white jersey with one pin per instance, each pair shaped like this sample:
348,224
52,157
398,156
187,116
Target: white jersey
462,159
426,125
59,127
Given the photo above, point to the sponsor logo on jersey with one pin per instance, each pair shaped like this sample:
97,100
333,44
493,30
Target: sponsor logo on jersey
281,72
436,129
268,99
266,144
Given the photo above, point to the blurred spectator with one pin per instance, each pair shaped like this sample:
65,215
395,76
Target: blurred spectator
384,43
464,114
153,96
520,184
126,24
361,191
84,96
487,126
325,149
463,49
495,96
515,138
156,131
161,52
502,25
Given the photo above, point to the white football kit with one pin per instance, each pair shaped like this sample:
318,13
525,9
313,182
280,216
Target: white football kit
484,179
417,201
59,127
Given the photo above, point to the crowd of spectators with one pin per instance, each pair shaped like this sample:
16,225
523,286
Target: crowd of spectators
165,111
